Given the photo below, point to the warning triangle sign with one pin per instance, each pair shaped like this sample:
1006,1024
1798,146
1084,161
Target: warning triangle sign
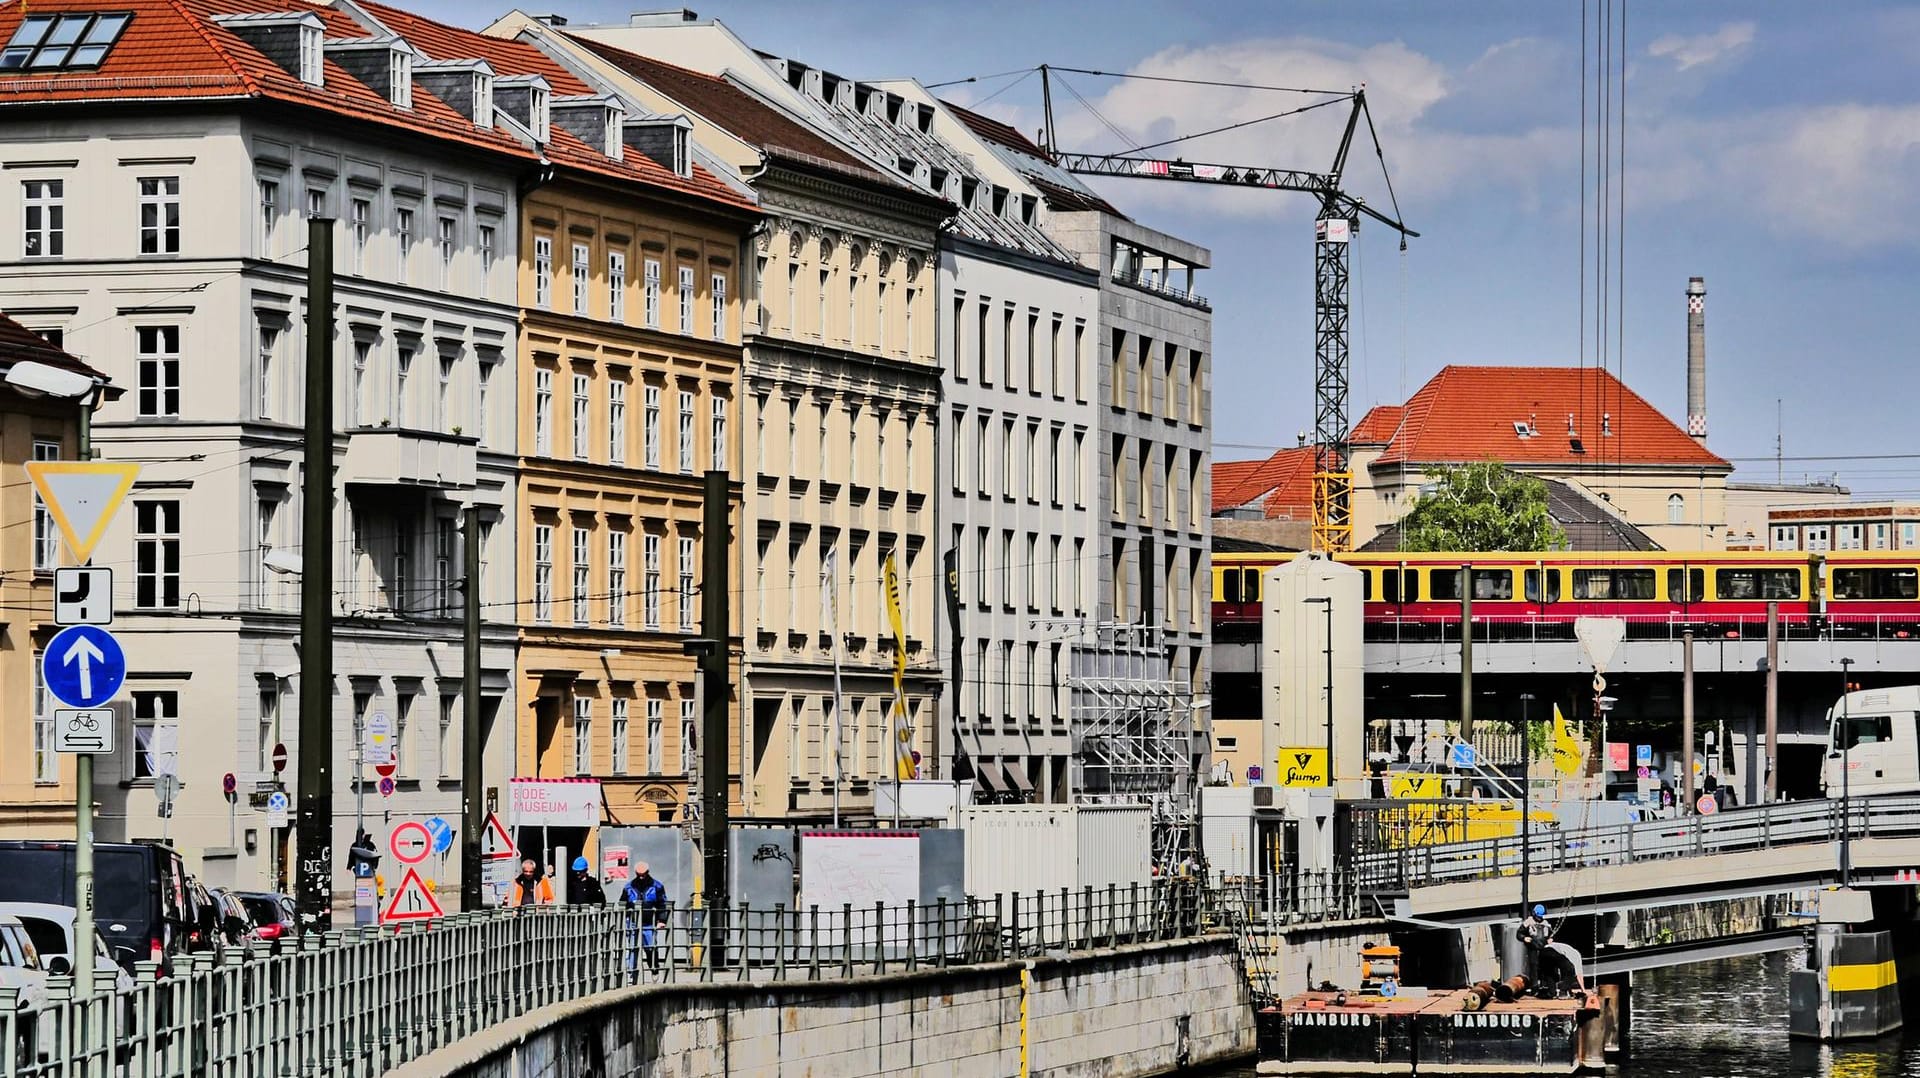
411,901
495,843
81,497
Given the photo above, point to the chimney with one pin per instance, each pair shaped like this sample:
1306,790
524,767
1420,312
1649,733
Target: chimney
1697,358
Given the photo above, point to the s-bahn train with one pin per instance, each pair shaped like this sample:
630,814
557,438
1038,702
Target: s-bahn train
1865,593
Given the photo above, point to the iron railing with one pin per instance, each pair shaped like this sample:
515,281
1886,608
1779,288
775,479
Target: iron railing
362,1001
1757,827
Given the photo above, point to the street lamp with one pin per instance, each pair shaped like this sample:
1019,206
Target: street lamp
1326,605
1526,816
1846,777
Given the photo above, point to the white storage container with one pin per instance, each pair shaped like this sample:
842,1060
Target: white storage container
1027,848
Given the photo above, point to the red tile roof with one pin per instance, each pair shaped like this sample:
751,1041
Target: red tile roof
994,131
18,344
1282,485
1467,413
1378,426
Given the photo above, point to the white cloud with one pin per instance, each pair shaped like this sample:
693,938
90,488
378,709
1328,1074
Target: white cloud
1687,51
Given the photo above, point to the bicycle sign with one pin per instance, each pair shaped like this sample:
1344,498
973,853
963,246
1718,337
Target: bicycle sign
78,730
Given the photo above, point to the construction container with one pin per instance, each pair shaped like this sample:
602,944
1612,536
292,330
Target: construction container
1026,848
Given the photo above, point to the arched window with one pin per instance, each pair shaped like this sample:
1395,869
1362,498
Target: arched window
1676,509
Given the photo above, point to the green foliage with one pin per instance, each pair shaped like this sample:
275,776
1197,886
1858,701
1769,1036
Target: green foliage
1481,507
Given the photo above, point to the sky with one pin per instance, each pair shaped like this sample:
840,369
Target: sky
1770,147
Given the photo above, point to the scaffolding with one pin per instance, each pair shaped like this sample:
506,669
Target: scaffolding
1134,732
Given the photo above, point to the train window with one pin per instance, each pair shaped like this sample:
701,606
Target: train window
1493,584
1759,583
1613,583
1533,585
1400,585
1444,585
1230,585
1876,584
1250,586
1686,585
1366,587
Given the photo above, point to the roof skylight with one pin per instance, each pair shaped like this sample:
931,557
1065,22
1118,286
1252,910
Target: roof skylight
63,41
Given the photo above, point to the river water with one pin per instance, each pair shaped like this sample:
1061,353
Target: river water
1729,1020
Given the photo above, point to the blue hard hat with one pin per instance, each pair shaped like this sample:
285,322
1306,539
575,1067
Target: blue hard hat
1538,911
579,864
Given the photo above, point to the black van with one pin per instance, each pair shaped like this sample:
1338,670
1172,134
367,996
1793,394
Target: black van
140,892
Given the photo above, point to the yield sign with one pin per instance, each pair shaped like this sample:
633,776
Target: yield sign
81,497
494,840
412,901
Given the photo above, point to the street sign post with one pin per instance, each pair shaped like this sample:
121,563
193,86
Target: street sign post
442,833
83,666
410,842
279,759
82,595
80,496
277,807
83,730
386,786
411,901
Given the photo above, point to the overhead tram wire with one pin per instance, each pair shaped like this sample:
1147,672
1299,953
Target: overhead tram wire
1196,82
981,78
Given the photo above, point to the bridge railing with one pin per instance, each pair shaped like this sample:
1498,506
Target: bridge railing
362,1001
1550,849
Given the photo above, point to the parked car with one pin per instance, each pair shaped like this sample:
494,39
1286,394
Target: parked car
205,934
272,914
20,968
50,928
236,921
140,893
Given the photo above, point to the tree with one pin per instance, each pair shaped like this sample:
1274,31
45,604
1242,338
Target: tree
1478,508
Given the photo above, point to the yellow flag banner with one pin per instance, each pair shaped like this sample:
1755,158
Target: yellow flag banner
903,765
1569,752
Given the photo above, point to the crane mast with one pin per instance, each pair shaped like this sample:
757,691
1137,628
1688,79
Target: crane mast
1339,220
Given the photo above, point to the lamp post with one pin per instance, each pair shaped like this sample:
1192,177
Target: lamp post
1526,816
1846,777
1325,603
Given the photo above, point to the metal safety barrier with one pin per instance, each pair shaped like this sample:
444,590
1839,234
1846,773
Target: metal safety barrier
1757,827
362,1001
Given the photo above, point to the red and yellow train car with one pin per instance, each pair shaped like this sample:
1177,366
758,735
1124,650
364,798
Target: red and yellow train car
1867,593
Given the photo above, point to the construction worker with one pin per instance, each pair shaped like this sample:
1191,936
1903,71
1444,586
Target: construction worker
531,887
582,888
650,896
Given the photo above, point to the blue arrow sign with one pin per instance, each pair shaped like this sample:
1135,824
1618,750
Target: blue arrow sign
442,834
83,666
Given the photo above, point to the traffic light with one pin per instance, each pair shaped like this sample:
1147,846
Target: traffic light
362,857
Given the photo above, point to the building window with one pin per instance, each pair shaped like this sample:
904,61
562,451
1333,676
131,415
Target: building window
880,317
1909,536
46,535
267,726
151,712
442,418
485,383
443,566
650,581
46,762
686,300
820,327
263,514
719,295
1846,537
689,727
1676,509
543,412
403,241
400,77
616,578
44,223
156,553
447,749
650,293
312,65
160,215
404,741
582,736
582,401
269,192
157,352
650,427
402,400
853,309
358,213
717,452
619,735
543,573
655,721
686,584
582,574
402,590
580,281
543,272
486,255
686,433
793,304
268,344
617,286
1879,537
447,237
617,421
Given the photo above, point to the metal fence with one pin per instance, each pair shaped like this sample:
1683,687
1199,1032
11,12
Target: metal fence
362,1001
1757,827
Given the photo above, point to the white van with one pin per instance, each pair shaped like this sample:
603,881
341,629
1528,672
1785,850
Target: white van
1882,744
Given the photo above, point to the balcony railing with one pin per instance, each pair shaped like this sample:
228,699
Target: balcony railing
395,457
1161,287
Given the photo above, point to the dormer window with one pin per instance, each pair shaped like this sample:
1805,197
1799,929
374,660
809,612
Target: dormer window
1027,205
1522,429
969,189
400,78
924,119
312,67
999,201
541,117
616,134
482,99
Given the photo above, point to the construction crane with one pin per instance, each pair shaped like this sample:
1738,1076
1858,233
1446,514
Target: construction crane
1338,223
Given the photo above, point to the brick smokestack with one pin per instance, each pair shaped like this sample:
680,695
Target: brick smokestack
1697,358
